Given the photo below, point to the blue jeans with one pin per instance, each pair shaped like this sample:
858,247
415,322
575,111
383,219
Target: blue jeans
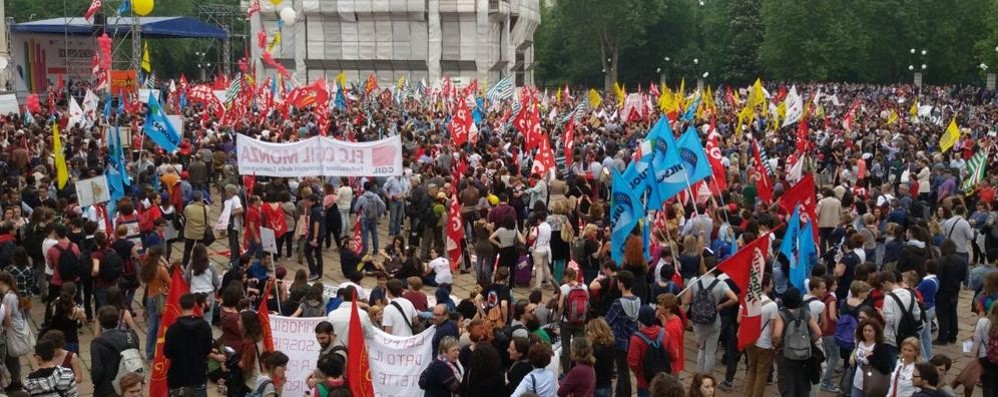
396,213
643,392
255,249
831,359
602,392
483,269
925,336
153,315
234,247
369,226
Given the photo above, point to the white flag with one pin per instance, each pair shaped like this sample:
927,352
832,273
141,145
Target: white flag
76,113
795,107
90,102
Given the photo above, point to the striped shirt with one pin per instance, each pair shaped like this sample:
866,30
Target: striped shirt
51,382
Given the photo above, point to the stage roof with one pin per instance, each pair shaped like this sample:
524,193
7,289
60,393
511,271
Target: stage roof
152,27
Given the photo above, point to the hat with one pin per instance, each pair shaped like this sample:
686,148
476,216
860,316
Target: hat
441,196
646,316
184,175
281,272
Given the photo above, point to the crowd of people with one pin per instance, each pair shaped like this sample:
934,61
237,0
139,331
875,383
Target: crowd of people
898,239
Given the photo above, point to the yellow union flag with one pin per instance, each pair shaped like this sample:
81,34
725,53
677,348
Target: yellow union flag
595,100
949,137
892,118
61,171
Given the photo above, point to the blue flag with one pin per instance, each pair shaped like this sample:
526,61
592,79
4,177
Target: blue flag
669,174
788,247
691,110
806,256
341,100
159,129
648,158
477,113
625,212
693,156
125,7
107,107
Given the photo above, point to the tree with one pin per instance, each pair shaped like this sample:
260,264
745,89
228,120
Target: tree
740,64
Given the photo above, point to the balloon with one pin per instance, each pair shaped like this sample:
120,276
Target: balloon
276,2
288,16
142,7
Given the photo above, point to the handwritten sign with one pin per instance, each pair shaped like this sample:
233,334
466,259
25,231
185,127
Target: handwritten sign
296,338
397,362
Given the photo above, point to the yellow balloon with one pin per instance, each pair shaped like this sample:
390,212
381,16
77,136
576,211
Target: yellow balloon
276,2
142,7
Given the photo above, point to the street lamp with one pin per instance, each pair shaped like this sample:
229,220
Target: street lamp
919,70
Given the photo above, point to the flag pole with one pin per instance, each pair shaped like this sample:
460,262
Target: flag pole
277,293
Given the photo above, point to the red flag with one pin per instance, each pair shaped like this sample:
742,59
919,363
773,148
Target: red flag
653,90
358,241
249,181
802,195
719,174
313,94
94,7
745,268
358,367
803,134
847,123
461,124
371,85
455,232
160,365
762,184
544,160
264,315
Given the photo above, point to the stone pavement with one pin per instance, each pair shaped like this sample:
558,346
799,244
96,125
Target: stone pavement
463,286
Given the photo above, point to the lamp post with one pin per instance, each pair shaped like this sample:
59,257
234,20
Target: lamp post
662,71
607,84
990,82
918,72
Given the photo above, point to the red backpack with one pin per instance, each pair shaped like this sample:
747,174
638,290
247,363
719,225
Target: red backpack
576,305
992,345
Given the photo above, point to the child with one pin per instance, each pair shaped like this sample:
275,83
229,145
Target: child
329,375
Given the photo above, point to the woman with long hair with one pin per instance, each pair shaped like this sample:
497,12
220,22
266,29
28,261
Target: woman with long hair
66,358
870,360
690,260
668,314
519,366
67,316
202,278
157,280
506,238
703,385
581,379
250,360
634,260
484,376
986,372
125,320
601,337
273,366
562,234
232,334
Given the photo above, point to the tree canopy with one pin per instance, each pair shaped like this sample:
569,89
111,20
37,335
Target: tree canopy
736,41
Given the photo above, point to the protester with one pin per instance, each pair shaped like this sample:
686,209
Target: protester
188,345
105,350
50,378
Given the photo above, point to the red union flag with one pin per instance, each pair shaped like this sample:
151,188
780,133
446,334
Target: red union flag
569,140
358,366
94,7
160,365
461,124
719,174
745,268
544,160
802,196
313,94
760,176
455,232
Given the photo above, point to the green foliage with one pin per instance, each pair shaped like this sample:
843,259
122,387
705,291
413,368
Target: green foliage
739,40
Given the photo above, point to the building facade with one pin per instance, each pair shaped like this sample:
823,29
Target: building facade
418,39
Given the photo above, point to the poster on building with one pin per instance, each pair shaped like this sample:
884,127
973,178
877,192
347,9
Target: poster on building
123,82
39,60
319,156
93,191
8,104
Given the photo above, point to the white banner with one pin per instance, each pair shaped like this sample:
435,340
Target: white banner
396,362
319,156
296,338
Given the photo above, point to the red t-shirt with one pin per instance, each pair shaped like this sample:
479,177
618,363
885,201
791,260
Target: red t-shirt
53,255
252,220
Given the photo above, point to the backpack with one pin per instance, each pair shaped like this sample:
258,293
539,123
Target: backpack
578,250
129,361
129,276
992,346
259,390
656,360
69,263
908,326
796,334
111,267
372,209
703,308
308,310
576,305
845,330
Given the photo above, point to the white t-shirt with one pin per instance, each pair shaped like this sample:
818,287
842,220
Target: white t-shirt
399,322
769,313
340,319
46,245
565,288
233,204
719,291
361,292
816,306
441,271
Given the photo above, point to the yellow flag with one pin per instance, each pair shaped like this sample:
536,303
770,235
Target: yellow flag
557,96
146,65
892,118
399,84
595,100
681,96
341,79
709,100
61,171
277,40
949,137
756,96
619,90
914,108
667,101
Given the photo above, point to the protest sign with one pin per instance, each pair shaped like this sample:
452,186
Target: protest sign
268,240
320,156
296,338
396,362
93,191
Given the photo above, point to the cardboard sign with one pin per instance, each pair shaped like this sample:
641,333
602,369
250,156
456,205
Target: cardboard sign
93,191
123,82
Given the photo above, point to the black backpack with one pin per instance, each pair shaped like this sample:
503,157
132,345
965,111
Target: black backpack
655,360
235,379
907,326
69,263
111,266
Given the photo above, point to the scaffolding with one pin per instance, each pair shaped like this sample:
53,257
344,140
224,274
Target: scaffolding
227,17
